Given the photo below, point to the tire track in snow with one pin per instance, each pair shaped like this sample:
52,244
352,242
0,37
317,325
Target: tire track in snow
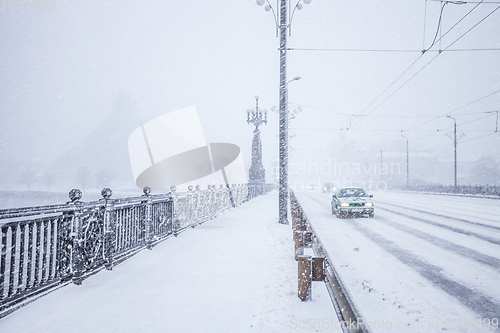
458,230
447,217
482,305
446,245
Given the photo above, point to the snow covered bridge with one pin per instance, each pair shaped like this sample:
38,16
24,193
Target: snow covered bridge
423,263
235,273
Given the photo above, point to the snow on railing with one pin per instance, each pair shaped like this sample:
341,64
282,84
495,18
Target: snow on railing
42,248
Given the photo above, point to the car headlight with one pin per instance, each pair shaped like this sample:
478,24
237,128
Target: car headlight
344,204
368,204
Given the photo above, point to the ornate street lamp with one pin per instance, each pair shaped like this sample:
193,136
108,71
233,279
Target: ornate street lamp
257,172
283,18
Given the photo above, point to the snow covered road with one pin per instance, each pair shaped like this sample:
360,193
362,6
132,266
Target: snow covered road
423,263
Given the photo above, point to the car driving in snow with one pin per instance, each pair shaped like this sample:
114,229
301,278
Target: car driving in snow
352,201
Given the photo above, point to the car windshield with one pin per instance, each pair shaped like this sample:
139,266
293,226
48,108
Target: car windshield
351,192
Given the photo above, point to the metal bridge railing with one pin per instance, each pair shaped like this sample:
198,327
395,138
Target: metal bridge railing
42,248
475,190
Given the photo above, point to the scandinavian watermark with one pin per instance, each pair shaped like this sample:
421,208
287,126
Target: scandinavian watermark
27,5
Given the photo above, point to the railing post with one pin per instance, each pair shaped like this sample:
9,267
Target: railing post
109,228
175,217
148,218
213,206
76,243
191,212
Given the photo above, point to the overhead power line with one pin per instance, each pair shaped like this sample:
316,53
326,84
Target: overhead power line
391,50
421,69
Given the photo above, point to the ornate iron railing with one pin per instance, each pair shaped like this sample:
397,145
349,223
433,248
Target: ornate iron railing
43,248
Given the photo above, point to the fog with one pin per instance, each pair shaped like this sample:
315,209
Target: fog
76,80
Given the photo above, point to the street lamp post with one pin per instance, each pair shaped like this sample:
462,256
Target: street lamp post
257,174
407,164
454,146
283,19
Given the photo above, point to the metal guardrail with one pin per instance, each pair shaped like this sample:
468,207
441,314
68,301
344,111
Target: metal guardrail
43,248
473,190
347,313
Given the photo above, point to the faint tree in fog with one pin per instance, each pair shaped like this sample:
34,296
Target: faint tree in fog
48,179
83,177
27,177
486,171
104,177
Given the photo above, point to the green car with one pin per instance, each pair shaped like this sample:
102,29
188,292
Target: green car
352,201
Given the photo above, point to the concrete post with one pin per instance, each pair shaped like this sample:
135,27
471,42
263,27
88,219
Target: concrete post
308,238
318,271
305,277
299,243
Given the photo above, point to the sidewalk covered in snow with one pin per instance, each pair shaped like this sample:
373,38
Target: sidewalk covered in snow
235,273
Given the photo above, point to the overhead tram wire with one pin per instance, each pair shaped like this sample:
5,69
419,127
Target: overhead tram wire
406,130
389,116
464,141
481,2
408,68
439,52
390,50
439,25
411,129
421,69
451,112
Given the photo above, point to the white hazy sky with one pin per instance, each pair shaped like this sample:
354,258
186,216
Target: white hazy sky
61,69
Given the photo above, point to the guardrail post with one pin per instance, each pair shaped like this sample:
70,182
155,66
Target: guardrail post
148,218
305,277
318,270
76,242
299,243
308,238
109,228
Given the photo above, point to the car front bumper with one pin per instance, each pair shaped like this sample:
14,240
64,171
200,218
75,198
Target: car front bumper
356,210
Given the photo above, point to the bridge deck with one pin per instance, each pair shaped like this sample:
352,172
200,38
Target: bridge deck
234,273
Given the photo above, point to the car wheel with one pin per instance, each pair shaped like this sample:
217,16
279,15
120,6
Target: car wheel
371,215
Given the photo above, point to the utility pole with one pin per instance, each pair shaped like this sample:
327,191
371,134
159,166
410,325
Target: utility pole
407,164
455,147
283,18
283,116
